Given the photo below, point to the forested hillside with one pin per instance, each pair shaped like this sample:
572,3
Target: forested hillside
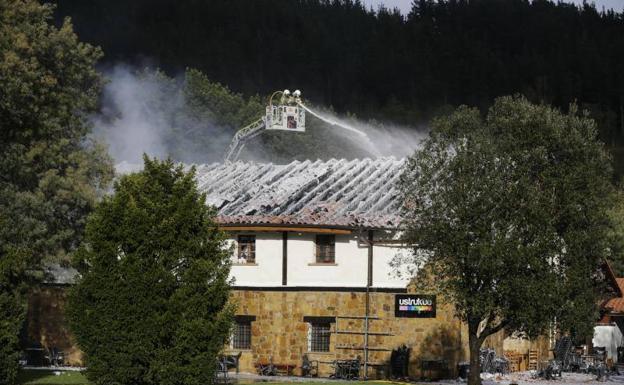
378,63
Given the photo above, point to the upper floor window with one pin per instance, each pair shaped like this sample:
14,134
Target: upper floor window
246,249
325,248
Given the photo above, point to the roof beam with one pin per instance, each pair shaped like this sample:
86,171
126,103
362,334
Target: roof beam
259,229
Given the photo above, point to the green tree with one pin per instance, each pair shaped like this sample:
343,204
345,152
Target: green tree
617,243
218,104
51,174
151,306
511,214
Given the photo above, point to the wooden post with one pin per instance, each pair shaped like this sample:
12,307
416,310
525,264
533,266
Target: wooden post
369,283
284,258
622,114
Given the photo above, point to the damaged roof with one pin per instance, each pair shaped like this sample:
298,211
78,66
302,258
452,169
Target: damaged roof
57,274
338,192
616,305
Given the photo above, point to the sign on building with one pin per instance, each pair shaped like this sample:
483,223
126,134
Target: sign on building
415,306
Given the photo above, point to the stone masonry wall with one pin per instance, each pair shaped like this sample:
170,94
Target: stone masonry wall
47,324
280,333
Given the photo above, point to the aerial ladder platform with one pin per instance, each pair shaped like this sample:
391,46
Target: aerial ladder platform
288,114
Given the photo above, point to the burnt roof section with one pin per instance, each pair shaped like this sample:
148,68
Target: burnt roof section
56,274
334,193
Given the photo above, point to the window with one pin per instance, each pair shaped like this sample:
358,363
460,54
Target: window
325,249
319,333
246,249
291,122
241,339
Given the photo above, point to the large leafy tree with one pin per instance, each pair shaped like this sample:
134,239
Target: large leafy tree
511,214
151,306
50,172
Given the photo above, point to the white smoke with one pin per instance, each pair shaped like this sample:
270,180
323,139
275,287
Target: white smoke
127,123
146,112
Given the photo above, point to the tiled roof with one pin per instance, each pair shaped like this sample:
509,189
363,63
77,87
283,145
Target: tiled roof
616,305
346,193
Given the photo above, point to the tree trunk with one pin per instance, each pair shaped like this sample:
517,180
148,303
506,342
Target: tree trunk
621,114
474,342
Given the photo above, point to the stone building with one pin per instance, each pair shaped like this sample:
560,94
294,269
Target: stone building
313,249
313,243
47,325
608,332
313,246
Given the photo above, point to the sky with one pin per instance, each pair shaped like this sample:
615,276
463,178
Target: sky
405,5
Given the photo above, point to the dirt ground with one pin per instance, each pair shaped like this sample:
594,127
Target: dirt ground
527,378
519,378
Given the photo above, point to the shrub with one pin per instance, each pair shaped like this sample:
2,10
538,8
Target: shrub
151,306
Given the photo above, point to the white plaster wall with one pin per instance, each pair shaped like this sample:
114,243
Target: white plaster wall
268,271
384,275
385,252
608,336
350,269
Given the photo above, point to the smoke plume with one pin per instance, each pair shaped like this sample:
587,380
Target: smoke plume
147,112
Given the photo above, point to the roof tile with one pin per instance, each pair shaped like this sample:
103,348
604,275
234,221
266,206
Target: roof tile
338,192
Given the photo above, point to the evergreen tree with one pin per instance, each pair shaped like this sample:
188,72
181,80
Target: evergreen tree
51,174
617,241
151,306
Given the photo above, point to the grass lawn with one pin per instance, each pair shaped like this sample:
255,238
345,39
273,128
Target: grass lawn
47,377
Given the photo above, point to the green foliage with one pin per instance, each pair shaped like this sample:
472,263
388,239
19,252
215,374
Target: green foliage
12,312
151,304
617,241
216,103
50,173
511,214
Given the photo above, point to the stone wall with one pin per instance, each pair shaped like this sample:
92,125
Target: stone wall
280,333
47,325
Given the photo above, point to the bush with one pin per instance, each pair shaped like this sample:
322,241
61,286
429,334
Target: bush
151,306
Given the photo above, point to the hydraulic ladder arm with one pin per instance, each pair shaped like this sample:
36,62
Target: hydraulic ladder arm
243,135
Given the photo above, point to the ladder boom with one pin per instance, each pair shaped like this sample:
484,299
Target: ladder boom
244,134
